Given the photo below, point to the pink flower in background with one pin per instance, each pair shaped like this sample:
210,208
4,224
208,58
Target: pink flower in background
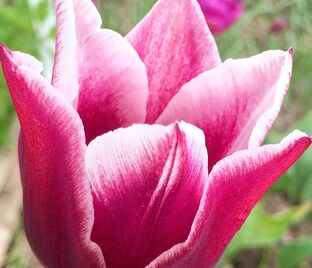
279,25
111,175
221,14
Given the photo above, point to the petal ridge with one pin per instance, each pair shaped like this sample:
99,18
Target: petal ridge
153,183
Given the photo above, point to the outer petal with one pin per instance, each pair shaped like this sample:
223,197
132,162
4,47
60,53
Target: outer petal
175,44
147,183
236,103
234,186
112,78
58,210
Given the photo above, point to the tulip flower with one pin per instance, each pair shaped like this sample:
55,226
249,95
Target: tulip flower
221,14
144,151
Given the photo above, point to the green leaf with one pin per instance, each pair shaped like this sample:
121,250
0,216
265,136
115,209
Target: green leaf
264,230
295,252
297,182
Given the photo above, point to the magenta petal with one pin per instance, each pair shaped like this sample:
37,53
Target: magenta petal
175,44
236,103
221,14
115,96
147,183
112,79
58,211
234,186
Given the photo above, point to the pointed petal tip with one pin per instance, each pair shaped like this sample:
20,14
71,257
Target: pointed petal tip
20,59
184,127
291,51
289,58
297,135
266,121
2,46
4,51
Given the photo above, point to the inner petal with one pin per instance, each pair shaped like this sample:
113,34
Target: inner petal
175,44
235,104
147,183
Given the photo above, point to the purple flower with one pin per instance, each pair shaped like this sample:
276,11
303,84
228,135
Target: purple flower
221,14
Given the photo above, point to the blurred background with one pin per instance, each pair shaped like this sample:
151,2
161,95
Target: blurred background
278,233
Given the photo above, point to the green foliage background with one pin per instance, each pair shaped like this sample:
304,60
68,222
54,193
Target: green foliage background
28,26
17,32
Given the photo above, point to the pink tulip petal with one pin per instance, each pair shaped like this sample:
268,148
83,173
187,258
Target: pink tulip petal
112,78
175,44
87,18
236,103
111,97
234,186
27,61
58,211
147,183
65,69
